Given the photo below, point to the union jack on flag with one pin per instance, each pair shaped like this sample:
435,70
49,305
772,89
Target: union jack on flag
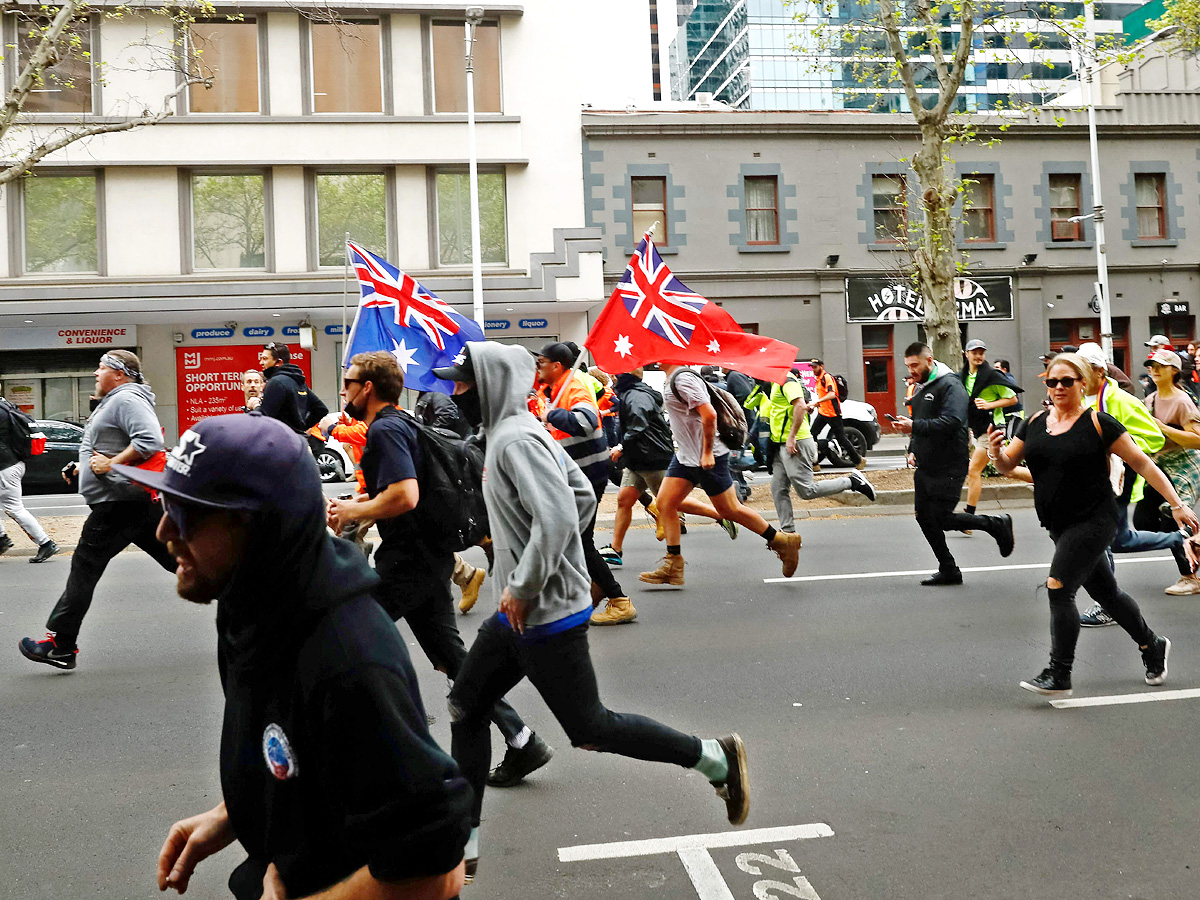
415,306
658,300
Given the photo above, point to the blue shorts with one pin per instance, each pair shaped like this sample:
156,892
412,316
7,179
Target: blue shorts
714,481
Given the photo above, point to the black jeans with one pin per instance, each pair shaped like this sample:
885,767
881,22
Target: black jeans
837,429
426,604
1081,560
560,667
597,568
110,528
935,497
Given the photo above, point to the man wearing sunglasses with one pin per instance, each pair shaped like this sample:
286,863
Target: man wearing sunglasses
330,779
287,396
123,428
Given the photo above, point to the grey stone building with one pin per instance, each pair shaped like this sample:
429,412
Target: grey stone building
790,221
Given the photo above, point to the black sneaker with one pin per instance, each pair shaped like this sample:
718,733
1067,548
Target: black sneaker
44,552
470,867
859,483
1155,658
735,790
48,652
1002,531
940,578
1051,683
1095,617
519,763
6,543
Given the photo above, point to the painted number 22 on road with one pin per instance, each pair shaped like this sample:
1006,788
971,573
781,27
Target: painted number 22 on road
768,889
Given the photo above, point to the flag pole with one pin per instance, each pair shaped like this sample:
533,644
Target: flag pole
345,296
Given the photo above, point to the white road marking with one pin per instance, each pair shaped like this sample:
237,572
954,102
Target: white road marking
706,877
1121,699
653,846
850,576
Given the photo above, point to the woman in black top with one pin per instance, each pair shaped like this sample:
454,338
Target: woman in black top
1067,450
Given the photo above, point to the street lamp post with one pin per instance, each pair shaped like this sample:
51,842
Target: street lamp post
474,17
1103,296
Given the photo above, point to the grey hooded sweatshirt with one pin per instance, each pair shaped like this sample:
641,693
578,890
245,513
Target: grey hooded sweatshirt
124,416
537,498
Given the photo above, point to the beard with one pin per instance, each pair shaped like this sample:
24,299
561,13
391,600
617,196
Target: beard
190,584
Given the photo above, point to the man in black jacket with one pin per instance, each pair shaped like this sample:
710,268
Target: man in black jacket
330,779
939,443
287,396
990,397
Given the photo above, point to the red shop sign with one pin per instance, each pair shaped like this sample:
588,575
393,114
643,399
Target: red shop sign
209,381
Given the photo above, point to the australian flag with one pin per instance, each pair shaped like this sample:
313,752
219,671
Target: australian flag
398,315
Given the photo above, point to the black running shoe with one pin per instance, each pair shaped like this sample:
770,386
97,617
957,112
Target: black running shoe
48,652
940,578
859,483
1051,683
519,763
1002,531
6,543
1155,658
44,552
735,790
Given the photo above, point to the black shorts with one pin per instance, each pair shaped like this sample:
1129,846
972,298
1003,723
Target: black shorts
714,481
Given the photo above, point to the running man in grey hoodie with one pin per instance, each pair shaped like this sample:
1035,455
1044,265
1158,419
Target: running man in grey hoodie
123,429
538,502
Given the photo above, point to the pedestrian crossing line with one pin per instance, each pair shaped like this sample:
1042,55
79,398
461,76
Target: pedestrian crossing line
1122,699
654,846
850,576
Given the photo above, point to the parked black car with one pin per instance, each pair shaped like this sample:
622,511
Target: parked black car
43,473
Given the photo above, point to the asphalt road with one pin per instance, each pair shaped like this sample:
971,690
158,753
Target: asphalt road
888,712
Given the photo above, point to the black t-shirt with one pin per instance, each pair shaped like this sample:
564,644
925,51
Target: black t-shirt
392,455
1070,470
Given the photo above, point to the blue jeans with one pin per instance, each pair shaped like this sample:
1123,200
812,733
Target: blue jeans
1130,541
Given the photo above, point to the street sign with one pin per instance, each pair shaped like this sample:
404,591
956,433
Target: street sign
881,299
210,378
1174,308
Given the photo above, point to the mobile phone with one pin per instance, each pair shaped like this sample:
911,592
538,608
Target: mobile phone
890,416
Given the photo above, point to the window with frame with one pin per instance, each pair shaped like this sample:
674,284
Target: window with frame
1065,190
979,208
347,66
227,53
64,86
450,72
228,222
890,208
60,222
1180,330
762,209
1150,189
453,192
648,199
350,203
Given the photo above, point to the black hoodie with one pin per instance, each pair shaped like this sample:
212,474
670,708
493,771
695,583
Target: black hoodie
288,398
644,433
978,419
327,764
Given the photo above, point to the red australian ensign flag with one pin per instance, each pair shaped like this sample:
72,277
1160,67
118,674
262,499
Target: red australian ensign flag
652,316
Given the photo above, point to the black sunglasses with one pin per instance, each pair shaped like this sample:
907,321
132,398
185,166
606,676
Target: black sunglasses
1067,381
184,516
346,382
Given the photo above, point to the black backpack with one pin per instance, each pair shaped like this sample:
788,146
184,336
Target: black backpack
843,389
451,509
731,418
21,428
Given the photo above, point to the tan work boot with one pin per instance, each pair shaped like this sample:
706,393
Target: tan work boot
787,548
1185,586
618,610
470,591
669,571
861,464
659,532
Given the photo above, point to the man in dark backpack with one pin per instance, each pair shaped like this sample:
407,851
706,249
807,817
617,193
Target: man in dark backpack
829,410
287,396
414,575
15,449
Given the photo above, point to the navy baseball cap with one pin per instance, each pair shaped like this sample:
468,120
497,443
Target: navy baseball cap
240,461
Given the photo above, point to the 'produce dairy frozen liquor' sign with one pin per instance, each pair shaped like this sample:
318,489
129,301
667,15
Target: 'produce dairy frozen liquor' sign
874,299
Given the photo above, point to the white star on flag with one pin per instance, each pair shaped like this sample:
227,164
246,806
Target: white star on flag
713,346
623,345
404,356
762,349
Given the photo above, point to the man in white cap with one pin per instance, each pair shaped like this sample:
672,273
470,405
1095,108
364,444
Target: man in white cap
1144,430
989,394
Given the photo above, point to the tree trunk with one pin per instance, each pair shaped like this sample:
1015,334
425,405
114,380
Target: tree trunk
935,257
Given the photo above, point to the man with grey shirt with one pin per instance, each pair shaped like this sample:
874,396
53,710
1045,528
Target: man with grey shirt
538,502
122,429
12,470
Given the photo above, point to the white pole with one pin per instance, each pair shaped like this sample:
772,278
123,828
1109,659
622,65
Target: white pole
474,14
1090,71
345,296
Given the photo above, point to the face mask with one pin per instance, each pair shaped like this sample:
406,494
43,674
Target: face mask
354,411
468,404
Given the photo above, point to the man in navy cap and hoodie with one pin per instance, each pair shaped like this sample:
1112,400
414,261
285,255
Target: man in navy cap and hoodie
538,502
330,779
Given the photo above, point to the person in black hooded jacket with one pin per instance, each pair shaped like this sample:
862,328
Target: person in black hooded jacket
331,781
287,396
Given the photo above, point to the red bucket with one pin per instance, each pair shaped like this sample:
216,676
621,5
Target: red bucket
38,443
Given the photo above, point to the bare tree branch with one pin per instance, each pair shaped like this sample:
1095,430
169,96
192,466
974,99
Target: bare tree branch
890,21
962,54
43,56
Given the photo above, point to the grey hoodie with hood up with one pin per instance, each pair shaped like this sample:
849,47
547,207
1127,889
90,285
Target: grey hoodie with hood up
538,499
124,416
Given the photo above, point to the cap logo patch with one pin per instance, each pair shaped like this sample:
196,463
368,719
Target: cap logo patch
184,453
278,752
